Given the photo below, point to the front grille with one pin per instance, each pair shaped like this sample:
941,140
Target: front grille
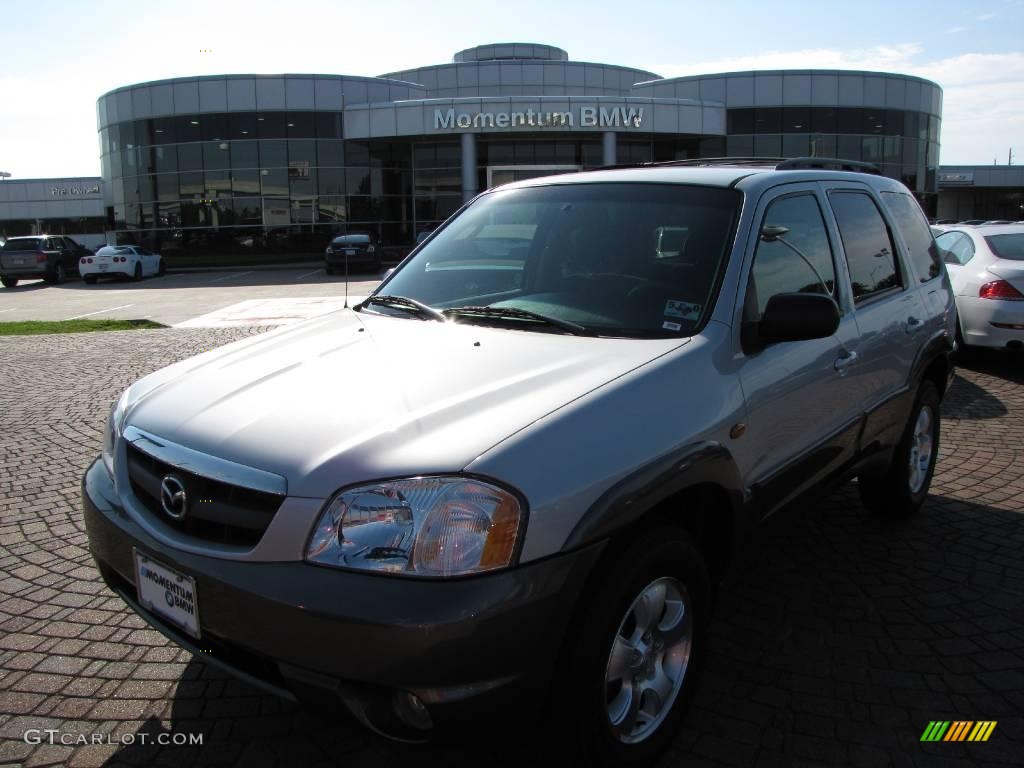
218,512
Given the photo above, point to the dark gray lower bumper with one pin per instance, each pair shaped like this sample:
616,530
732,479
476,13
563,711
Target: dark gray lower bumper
291,627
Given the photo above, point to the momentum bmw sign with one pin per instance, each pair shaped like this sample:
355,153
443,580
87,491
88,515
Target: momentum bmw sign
585,117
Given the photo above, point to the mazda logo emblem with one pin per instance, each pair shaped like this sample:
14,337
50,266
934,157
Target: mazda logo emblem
173,498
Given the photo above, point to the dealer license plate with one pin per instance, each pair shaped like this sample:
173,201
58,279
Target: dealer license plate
167,593
350,251
103,267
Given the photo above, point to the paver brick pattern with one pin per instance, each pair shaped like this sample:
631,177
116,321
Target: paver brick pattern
836,643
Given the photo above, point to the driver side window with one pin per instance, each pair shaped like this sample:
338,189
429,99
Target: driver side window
793,254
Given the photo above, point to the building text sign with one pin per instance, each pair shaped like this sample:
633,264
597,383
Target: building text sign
92,189
584,117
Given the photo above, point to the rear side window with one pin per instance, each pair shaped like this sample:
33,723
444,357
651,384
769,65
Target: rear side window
1009,246
23,244
956,247
793,254
870,254
910,221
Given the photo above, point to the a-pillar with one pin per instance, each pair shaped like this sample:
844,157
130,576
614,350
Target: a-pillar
468,167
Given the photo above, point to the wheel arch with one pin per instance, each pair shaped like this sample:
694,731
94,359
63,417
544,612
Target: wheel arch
697,488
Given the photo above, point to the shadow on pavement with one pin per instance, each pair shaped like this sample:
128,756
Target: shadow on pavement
842,636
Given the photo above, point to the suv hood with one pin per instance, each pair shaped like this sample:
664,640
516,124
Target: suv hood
353,397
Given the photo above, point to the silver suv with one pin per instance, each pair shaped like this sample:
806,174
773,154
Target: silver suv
515,473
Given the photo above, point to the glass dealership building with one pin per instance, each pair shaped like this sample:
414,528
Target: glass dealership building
278,164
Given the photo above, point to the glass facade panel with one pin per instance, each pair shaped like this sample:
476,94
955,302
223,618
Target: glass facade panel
271,125
215,127
300,125
274,181
330,153
190,157
245,154
245,182
273,154
330,181
165,158
242,125
328,125
216,155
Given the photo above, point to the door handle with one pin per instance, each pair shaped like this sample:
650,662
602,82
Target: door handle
845,360
912,324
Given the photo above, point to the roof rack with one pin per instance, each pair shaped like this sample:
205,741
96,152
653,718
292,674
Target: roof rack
827,164
778,163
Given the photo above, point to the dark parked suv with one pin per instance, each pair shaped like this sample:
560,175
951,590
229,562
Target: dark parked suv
352,252
51,257
559,419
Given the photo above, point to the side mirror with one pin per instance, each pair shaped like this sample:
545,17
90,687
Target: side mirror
798,317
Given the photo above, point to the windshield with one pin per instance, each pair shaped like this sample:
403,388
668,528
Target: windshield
618,259
345,239
1010,246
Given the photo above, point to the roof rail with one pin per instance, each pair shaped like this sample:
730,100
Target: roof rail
778,163
827,164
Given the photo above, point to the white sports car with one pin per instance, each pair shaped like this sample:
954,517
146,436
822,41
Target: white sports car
120,261
986,266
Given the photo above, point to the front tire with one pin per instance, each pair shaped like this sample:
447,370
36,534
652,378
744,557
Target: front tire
161,268
901,491
9,282
633,662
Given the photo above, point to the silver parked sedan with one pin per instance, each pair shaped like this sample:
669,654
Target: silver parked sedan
986,267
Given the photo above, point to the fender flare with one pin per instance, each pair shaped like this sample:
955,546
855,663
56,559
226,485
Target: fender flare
635,495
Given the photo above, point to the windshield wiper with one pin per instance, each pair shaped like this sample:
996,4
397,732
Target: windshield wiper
404,303
510,313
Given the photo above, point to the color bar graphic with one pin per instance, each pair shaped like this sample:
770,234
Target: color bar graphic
958,730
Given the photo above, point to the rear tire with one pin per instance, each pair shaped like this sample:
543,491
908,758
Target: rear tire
89,279
631,667
9,282
137,274
329,270
161,268
900,492
57,276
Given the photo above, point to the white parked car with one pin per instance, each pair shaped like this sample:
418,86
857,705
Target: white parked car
121,261
986,266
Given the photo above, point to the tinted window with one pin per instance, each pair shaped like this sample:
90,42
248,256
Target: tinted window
23,244
870,254
795,255
352,239
956,247
1010,246
913,226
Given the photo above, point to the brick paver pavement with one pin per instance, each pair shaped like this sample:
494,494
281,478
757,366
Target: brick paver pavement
836,644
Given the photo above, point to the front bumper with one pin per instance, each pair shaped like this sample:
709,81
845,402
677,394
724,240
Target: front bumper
462,646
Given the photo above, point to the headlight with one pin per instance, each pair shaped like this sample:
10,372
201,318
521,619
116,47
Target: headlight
424,526
114,423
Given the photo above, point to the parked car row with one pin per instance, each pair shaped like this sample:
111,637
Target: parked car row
55,258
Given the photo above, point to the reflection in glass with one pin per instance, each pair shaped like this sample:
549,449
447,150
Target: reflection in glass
274,181
273,154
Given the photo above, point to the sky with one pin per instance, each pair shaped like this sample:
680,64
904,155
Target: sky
57,57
